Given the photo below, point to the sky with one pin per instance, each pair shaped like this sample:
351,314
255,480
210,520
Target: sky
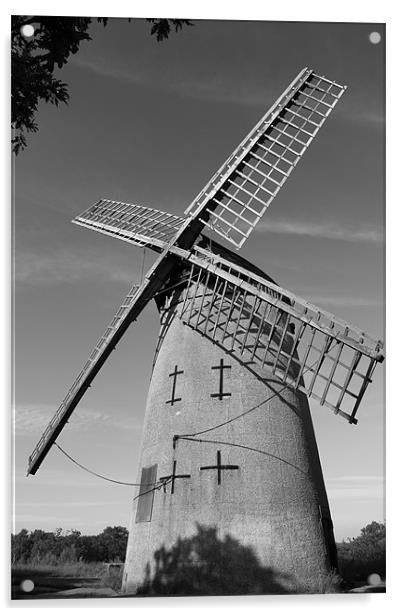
149,123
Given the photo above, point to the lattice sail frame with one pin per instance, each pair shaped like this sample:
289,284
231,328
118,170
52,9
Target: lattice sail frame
313,351
139,225
244,186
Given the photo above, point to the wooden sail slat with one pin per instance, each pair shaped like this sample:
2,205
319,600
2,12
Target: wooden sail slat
211,303
280,349
263,321
223,298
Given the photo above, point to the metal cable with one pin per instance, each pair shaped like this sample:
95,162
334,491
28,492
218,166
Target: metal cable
125,483
230,444
254,408
157,487
224,423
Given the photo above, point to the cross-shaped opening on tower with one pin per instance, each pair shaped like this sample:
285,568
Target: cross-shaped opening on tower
174,374
172,478
221,394
219,467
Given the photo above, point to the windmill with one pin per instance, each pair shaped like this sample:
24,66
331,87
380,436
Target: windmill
228,440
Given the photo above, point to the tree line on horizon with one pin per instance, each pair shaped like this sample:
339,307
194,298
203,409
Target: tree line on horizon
358,556
363,555
41,547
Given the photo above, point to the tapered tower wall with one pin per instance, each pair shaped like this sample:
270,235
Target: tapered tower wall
274,502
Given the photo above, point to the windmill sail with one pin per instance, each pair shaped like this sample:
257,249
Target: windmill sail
314,351
242,189
139,225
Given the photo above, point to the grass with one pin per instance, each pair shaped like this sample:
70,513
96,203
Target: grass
351,573
328,584
69,574
68,569
113,579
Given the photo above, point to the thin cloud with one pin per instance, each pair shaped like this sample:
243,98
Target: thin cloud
351,479
66,267
69,503
356,487
105,70
31,419
350,302
328,230
54,478
33,519
217,89
370,117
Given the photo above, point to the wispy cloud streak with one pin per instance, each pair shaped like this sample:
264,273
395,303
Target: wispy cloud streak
105,70
362,487
32,419
328,230
210,88
218,88
350,302
66,267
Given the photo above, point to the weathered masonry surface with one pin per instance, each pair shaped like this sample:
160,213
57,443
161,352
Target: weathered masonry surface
256,479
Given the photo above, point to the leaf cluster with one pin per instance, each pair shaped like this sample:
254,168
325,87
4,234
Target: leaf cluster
34,59
360,556
161,28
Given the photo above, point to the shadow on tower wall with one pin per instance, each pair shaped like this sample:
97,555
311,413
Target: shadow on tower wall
205,565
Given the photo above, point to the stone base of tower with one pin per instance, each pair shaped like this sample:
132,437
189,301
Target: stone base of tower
209,559
244,509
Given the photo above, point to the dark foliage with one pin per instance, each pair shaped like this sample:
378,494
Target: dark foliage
39,546
33,61
161,28
202,564
363,555
206,565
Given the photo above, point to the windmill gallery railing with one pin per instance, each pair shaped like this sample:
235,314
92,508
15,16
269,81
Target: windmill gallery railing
269,327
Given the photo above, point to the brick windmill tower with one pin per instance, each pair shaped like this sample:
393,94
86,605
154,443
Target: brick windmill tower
229,473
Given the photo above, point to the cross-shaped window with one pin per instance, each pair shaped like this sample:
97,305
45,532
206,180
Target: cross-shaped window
221,394
219,467
174,374
172,478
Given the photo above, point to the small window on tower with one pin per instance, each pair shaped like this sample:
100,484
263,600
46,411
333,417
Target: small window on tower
146,494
